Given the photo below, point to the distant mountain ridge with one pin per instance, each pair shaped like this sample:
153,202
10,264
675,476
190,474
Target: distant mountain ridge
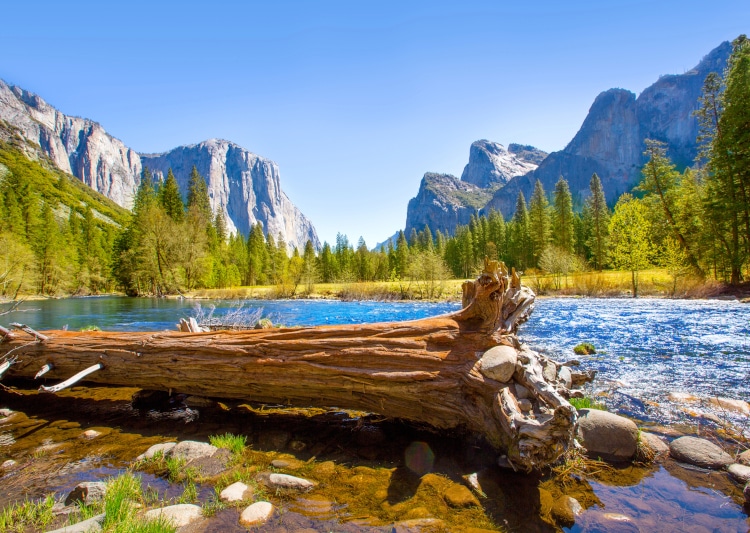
610,142
444,201
242,184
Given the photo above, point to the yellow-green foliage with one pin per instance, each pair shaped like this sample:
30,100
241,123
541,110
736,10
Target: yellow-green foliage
27,515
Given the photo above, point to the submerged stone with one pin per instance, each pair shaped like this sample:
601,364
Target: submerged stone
565,510
459,496
285,482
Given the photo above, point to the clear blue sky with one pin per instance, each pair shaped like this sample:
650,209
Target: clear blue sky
355,100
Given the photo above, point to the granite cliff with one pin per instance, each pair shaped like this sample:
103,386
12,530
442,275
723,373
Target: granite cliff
611,140
244,185
444,201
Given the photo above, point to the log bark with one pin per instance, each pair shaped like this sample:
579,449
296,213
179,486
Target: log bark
428,370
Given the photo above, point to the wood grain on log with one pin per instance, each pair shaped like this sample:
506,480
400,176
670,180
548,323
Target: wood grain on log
423,370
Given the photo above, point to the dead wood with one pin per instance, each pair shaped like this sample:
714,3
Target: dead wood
430,371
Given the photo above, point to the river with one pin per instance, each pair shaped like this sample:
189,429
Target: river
646,349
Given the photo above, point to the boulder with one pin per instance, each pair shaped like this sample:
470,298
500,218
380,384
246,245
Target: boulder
565,510
744,458
654,443
92,525
256,514
87,493
565,376
163,447
179,515
460,497
740,473
607,435
499,363
190,450
699,452
236,492
285,482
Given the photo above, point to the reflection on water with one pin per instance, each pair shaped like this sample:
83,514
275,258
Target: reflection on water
372,473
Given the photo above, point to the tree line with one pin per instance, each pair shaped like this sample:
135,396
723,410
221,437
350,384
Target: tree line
693,222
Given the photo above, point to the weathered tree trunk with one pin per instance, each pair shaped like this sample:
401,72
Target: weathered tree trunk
429,370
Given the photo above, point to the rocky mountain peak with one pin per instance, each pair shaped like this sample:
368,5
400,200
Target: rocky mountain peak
492,165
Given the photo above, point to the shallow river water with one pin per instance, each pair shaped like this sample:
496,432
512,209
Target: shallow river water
647,349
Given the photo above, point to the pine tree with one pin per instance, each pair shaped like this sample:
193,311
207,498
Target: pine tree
539,225
170,198
562,217
198,194
520,237
630,237
596,222
146,194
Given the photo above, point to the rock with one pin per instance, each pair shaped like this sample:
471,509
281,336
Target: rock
550,371
738,406
87,493
565,376
746,493
699,452
90,434
418,524
459,496
5,412
285,482
607,435
243,185
273,440
565,510
8,464
740,473
499,363
654,443
256,514
236,492
179,515
682,397
91,525
163,447
191,450
280,463
197,402
744,458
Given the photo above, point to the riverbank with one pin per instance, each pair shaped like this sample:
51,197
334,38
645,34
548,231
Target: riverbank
653,283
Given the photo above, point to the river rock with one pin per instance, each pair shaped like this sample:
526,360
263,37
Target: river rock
739,406
654,443
499,363
90,434
740,473
682,397
256,514
565,510
163,447
191,450
179,515
607,435
92,525
699,452
8,464
5,412
565,376
418,524
459,496
285,482
236,492
87,493
744,458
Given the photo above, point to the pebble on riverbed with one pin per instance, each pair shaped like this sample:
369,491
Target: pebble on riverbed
256,514
285,482
740,473
179,515
236,492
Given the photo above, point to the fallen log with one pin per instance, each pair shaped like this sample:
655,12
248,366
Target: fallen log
462,370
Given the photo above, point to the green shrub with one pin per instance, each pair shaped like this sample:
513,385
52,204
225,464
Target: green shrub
587,403
585,348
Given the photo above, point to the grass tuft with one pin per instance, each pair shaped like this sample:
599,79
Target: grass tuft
587,403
